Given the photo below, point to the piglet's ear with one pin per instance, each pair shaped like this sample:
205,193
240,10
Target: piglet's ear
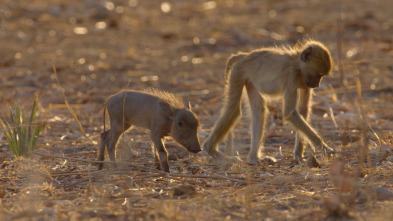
306,54
166,108
189,106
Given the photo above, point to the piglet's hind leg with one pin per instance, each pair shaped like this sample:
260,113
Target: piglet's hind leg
103,144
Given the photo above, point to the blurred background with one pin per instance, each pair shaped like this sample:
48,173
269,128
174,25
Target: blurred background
100,47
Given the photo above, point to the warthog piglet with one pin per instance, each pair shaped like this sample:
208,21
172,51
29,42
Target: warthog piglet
163,113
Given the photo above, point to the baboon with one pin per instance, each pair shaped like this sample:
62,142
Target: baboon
163,113
287,72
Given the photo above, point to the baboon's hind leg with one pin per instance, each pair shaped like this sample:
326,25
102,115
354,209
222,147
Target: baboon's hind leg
258,109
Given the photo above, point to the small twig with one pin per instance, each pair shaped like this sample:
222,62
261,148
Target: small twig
332,117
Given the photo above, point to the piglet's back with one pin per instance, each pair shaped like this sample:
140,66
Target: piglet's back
173,100
147,96
141,108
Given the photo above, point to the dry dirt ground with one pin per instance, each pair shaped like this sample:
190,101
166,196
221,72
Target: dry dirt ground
99,47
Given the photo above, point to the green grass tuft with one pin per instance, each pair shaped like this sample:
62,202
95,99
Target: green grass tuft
22,134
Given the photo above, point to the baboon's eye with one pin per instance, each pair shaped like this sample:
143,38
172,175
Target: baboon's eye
180,123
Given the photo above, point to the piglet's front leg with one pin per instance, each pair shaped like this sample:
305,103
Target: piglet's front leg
160,153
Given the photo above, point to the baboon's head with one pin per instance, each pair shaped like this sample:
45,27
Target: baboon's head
315,63
185,130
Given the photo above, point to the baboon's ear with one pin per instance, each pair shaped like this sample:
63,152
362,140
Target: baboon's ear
306,54
166,108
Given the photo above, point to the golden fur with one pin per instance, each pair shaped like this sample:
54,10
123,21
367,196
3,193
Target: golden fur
287,72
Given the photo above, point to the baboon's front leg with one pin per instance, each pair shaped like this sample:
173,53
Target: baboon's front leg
291,114
304,110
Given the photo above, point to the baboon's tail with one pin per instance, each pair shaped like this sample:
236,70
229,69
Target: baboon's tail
230,62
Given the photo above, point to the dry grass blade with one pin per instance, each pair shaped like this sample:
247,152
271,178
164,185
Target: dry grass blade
69,107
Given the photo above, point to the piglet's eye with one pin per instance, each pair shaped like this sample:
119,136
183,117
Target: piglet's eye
180,124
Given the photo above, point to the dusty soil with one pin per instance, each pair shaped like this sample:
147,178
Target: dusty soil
99,47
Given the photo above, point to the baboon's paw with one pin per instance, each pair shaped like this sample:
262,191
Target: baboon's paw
229,152
328,151
266,160
233,159
299,160
253,160
225,159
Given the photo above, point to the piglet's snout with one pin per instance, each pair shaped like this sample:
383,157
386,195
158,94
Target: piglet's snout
193,145
196,146
196,149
